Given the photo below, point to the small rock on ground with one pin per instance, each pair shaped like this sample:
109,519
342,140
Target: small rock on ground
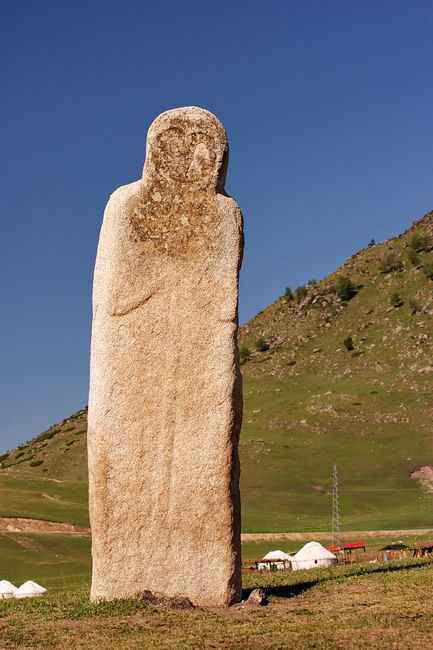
257,598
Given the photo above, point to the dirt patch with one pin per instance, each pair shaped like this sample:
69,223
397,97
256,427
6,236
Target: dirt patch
424,475
51,498
23,541
348,534
24,525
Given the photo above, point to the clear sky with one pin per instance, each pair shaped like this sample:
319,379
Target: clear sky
328,107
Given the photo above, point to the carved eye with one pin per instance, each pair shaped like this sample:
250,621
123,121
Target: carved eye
184,155
172,153
200,163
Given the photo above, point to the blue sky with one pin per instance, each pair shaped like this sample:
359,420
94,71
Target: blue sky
328,107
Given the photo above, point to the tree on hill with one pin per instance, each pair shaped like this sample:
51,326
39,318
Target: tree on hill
262,345
396,300
413,306
418,242
244,353
427,268
348,343
345,288
391,263
301,292
414,257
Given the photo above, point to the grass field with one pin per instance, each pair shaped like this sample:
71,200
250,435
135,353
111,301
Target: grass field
381,606
23,495
58,562
62,563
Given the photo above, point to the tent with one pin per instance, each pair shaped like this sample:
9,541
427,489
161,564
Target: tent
7,589
276,555
276,559
312,555
29,589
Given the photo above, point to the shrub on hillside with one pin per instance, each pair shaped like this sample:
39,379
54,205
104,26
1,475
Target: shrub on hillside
288,293
413,306
348,343
48,434
261,345
427,269
345,288
418,242
371,243
301,292
391,263
244,353
396,300
414,257
36,463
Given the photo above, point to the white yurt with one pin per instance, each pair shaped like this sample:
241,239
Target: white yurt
29,589
7,589
278,559
311,556
276,555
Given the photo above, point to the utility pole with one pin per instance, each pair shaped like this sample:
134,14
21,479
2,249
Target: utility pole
336,539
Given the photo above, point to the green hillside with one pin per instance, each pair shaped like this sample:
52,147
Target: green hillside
310,402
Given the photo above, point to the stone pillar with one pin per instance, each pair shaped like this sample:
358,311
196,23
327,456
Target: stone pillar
165,404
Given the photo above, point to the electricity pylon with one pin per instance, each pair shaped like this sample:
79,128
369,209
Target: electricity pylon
336,537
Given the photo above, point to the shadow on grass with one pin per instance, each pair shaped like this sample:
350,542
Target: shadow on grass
335,574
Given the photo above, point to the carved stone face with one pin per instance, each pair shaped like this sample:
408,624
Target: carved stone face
185,156
176,212
186,149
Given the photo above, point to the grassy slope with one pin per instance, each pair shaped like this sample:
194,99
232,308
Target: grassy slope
59,453
308,403
23,495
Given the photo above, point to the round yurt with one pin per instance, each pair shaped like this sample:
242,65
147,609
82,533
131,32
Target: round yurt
276,555
275,560
7,589
311,556
29,589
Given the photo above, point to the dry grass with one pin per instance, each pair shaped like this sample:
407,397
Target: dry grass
387,606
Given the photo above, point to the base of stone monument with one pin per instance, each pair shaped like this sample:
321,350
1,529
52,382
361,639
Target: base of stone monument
165,602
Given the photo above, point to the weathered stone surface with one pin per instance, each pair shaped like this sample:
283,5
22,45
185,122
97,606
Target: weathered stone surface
165,400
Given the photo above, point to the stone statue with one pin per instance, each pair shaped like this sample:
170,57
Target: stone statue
165,404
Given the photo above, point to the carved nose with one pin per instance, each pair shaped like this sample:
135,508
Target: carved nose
199,162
